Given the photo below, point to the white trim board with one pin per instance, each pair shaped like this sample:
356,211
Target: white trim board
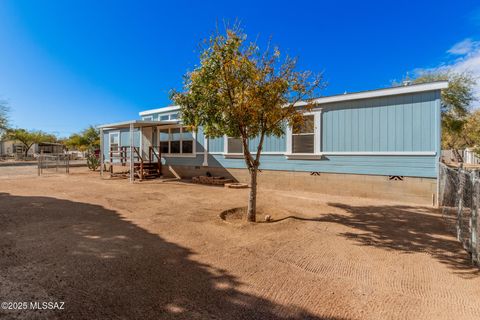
159,110
379,93
344,153
379,153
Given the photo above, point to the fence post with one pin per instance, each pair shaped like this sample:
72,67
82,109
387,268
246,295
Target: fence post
474,222
460,202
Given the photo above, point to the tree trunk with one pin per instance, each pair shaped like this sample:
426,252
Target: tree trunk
252,200
27,148
457,155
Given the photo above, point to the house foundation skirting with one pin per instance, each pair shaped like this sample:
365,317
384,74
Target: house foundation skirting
420,191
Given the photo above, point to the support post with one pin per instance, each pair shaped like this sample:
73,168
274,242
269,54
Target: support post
460,203
205,152
101,152
132,176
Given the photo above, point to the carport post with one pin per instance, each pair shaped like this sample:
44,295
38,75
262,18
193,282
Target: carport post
132,177
101,152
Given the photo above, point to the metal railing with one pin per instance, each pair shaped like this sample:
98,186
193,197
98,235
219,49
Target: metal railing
53,163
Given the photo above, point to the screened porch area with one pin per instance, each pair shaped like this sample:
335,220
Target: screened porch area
136,149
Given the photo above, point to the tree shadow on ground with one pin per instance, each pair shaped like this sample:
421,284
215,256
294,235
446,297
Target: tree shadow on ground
403,228
105,267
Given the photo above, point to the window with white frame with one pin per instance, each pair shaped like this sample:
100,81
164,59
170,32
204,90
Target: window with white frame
168,116
234,145
187,140
164,138
114,140
176,141
148,118
303,136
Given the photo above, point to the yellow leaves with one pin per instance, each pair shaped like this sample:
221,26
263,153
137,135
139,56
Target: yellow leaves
239,89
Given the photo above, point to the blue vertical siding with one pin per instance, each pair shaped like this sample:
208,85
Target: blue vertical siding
400,123
215,144
124,139
105,143
200,140
396,124
275,144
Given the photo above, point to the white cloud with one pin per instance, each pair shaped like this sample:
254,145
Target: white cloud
464,47
469,62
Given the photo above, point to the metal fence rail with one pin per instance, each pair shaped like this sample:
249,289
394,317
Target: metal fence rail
53,163
459,199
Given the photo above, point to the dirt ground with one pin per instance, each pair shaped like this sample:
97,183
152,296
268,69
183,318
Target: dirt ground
158,250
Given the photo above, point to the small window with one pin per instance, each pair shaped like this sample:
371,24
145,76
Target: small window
164,117
174,116
175,140
187,141
234,145
148,118
164,141
303,136
114,141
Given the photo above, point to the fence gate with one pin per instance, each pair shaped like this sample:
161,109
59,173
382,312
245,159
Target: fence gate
53,163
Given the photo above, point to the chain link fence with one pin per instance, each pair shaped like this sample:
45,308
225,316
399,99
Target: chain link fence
48,163
459,199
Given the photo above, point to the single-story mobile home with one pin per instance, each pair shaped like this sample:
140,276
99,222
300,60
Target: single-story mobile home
381,143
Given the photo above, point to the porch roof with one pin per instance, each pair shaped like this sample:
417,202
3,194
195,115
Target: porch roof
136,124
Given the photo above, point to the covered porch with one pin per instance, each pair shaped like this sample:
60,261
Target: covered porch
132,149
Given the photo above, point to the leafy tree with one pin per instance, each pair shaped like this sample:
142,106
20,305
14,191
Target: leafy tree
75,141
3,117
241,92
456,104
471,131
92,137
88,139
29,138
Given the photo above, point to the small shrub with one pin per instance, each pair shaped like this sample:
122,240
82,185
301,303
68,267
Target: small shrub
93,162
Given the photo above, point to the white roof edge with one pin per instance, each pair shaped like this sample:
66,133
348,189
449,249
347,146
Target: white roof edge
158,110
381,92
134,122
437,85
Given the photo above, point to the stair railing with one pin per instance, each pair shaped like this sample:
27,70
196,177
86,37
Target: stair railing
136,150
152,153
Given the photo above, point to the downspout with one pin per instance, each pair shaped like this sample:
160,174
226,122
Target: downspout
205,151
101,152
438,121
132,177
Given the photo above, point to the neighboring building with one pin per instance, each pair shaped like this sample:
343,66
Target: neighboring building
382,143
48,148
15,149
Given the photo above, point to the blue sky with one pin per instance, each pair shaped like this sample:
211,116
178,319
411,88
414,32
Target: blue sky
67,64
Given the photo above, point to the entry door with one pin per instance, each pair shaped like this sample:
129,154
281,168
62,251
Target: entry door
147,141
